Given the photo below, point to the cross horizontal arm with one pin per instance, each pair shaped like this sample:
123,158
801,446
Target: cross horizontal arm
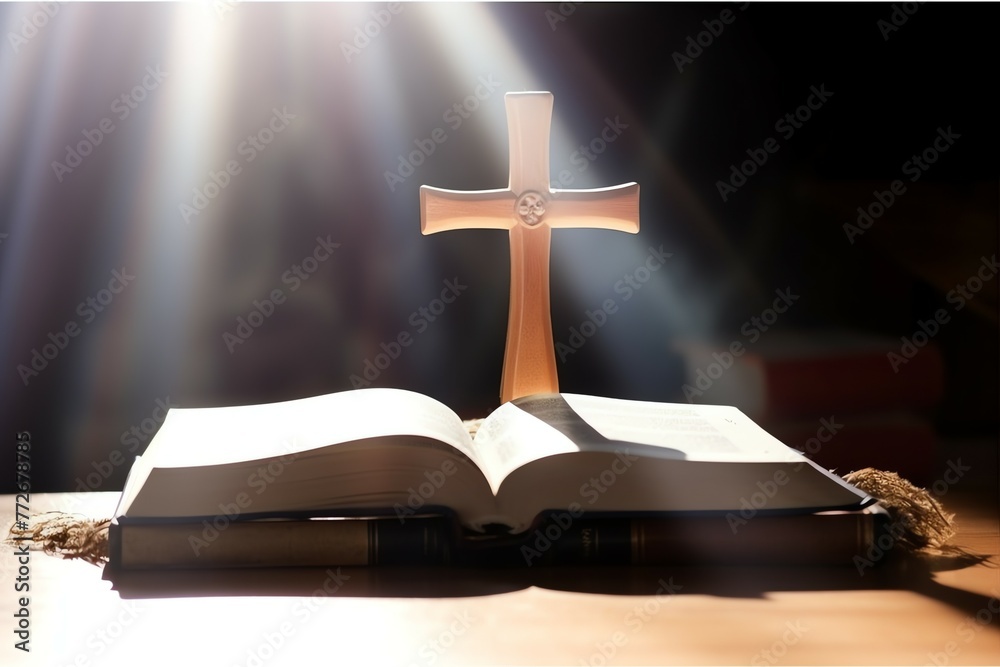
614,208
442,210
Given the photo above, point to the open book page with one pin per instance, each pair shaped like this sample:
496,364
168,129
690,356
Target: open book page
698,432
612,455
510,438
214,436
545,425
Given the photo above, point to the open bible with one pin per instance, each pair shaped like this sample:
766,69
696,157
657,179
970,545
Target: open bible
396,458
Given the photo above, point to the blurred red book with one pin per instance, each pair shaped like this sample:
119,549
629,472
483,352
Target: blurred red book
847,400
901,442
789,376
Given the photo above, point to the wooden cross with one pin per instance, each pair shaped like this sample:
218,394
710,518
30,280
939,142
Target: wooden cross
529,208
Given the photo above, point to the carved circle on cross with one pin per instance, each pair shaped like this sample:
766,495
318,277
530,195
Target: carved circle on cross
530,207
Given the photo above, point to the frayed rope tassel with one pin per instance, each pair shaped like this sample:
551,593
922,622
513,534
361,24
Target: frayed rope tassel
66,535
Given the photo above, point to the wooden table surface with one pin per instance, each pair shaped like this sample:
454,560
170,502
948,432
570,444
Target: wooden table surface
898,614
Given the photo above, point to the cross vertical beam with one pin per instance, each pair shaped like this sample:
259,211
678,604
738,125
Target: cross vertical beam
529,209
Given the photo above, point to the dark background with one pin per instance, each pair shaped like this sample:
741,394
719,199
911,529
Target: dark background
161,339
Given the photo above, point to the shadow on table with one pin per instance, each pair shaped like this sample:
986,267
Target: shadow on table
898,573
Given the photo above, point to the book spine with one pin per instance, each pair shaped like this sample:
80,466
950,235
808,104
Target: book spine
282,543
836,539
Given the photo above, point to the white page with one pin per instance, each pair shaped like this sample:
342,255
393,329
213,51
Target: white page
700,432
510,438
212,436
